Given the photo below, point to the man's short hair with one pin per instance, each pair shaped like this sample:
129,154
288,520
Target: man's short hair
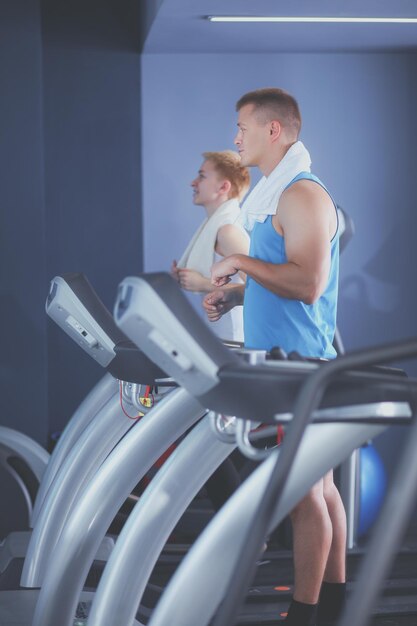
227,164
273,104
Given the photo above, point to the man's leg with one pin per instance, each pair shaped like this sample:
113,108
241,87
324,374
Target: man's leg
332,594
335,571
312,540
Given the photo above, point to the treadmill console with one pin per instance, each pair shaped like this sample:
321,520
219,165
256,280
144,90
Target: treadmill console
65,307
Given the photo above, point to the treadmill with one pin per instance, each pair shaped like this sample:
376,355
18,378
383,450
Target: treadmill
17,606
354,406
92,432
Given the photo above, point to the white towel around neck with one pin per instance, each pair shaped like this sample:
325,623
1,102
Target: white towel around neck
199,253
264,197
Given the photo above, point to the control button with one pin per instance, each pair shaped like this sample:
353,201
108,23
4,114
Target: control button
86,336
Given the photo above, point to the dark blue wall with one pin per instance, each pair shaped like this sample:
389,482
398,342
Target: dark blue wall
23,366
91,78
70,193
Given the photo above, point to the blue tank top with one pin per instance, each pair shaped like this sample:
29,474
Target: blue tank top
270,320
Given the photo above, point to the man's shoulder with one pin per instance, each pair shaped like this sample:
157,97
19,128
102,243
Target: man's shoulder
304,193
304,201
227,228
231,230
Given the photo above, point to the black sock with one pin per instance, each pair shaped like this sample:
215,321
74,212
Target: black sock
331,602
301,614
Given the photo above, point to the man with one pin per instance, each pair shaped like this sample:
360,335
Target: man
221,183
290,301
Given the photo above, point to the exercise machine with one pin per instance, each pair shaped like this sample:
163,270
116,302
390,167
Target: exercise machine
380,397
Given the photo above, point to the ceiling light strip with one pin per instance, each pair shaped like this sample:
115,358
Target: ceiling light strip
349,20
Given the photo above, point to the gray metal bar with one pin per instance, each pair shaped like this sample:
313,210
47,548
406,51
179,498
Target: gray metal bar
102,498
16,445
94,401
93,446
197,587
349,491
150,524
386,536
27,448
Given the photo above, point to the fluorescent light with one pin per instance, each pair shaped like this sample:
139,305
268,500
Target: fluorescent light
350,20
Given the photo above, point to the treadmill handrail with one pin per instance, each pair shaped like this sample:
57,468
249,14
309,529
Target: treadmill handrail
245,432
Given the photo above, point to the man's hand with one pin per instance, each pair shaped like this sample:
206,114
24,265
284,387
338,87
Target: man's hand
174,271
221,301
193,280
222,271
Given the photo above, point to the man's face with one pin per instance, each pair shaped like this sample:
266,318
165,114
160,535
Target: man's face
252,139
206,186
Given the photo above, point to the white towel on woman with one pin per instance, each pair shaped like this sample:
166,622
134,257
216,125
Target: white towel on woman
199,253
264,197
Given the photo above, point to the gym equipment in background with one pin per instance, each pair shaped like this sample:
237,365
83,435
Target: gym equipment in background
372,487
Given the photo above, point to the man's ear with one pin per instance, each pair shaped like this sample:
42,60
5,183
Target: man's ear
275,129
225,186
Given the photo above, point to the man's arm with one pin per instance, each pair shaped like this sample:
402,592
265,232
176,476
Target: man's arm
221,301
230,240
307,220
